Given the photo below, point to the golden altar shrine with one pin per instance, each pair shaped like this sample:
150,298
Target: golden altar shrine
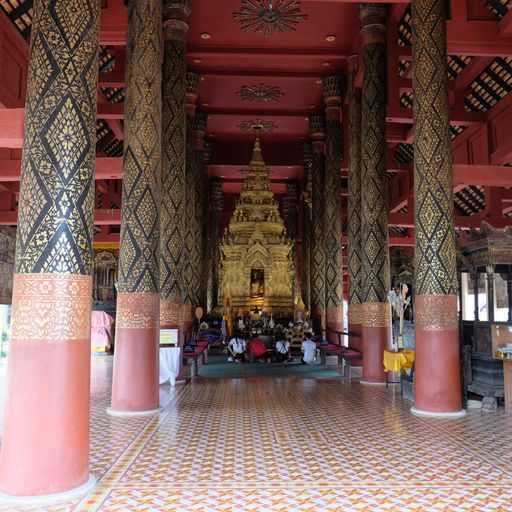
256,267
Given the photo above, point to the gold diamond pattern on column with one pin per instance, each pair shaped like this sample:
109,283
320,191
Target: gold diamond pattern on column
435,257
140,223
317,127
56,192
374,242
354,189
332,195
173,160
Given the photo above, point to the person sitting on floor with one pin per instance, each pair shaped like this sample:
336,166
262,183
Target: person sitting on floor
308,350
282,349
257,348
236,347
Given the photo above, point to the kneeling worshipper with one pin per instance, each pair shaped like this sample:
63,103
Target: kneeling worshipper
258,350
308,350
282,349
236,348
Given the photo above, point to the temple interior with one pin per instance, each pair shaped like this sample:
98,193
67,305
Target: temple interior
255,255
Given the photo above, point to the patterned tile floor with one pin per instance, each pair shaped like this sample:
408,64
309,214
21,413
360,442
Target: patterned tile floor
291,445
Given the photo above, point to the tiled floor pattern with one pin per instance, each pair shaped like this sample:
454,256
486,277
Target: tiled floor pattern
292,445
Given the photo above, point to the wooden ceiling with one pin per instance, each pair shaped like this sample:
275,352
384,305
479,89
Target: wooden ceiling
275,81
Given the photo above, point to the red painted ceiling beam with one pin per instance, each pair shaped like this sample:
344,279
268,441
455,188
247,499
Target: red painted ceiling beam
105,168
406,220
11,122
105,217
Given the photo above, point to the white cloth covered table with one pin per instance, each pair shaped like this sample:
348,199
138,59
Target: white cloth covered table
169,364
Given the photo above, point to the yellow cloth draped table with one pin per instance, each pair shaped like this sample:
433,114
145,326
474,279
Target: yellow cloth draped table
395,361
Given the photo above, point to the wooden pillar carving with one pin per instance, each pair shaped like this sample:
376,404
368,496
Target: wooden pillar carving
190,255
306,226
437,381
332,207
52,287
135,378
376,319
317,129
173,161
354,208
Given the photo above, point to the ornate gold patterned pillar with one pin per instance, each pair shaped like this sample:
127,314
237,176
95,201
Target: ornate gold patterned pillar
317,129
135,378
437,379
354,208
332,208
201,200
191,256
306,226
290,221
175,13
49,355
374,220
216,207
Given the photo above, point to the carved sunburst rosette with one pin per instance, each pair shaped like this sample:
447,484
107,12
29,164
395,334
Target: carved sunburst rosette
269,16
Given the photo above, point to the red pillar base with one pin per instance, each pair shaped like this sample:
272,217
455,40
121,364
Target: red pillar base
355,338
334,321
375,340
170,313
320,313
437,374
437,390
135,383
45,445
49,499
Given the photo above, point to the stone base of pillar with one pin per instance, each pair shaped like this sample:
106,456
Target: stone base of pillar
49,499
355,337
135,382
440,415
334,322
375,340
135,386
437,373
47,392
124,414
45,445
320,313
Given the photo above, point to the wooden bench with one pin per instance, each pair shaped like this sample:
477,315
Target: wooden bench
200,351
345,356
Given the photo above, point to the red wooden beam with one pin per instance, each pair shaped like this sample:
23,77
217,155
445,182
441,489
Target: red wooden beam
101,217
11,122
105,168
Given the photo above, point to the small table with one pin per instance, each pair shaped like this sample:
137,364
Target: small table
395,361
169,364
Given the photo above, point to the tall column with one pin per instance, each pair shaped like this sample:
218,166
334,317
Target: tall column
332,207
201,200
191,257
45,443
374,233
290,222
317,128
354,208
306,226
437,380
174,87
135,378
216,207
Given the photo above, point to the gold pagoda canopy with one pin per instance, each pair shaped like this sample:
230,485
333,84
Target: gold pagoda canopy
256,268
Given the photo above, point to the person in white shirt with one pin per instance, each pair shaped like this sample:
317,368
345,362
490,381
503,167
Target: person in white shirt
308,350
236,347
282,349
